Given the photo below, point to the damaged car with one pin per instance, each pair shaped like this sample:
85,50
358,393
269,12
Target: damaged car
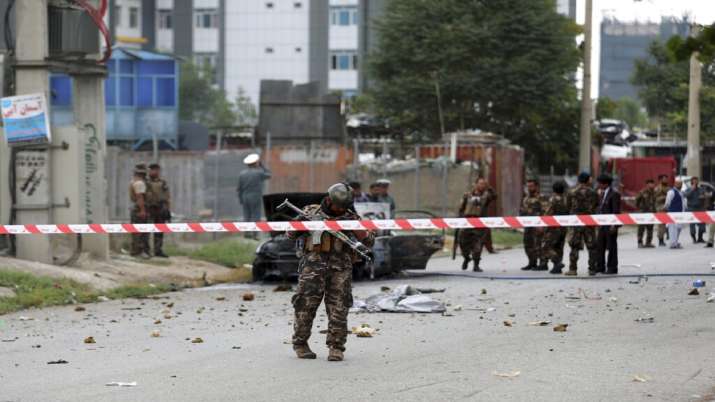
394,251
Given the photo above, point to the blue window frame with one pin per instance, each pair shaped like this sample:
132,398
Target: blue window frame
343,16
145,92
165,94
110,91
126,91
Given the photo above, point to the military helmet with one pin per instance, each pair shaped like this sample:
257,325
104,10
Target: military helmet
340,195
140,168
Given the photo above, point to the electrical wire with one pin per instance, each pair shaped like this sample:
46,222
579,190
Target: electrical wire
9,40
97,16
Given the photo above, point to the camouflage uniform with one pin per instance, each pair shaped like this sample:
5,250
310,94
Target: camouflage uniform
326,272
646,202
661,192
140,241
471,241
555,237
582,200
157,201
533,205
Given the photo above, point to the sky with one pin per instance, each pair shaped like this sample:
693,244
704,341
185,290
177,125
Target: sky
701,11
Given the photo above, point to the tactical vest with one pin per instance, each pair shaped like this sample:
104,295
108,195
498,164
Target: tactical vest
475,204
156,192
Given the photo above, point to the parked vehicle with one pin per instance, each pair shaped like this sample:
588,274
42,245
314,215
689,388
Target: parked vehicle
393,251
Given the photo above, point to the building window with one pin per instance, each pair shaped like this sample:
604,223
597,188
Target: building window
269,50
164,17
269,5
298,50
206,18
343,60
297,4
343,16
207,62
118,15
133,17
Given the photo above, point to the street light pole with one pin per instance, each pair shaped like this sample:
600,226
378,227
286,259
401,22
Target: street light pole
584,154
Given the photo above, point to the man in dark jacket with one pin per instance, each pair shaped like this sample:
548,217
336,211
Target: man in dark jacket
609,203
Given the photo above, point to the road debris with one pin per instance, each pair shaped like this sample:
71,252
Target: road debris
640,378
384,288
121,384
89,339
283,288
59,361
458,307
645,320
155,333
560,327
711,298
698,283
248,296
694,292
539,323
484,291
10,339
510,374
403,299
80,308
157,322
431,290
197,340
364,331
23,318
103,298
508,323
221,298
613,299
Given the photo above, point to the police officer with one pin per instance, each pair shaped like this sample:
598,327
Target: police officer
138,212
645,202
250,187
158,204
326,274
474,205
661,192
555,237
533,205
582,200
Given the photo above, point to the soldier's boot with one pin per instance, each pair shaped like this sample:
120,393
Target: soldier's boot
303,352
640,243
543,266
530,266
709,245
661,243
476,266
557,269
335,355
465,264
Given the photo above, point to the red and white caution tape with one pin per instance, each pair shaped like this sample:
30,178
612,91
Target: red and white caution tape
396,224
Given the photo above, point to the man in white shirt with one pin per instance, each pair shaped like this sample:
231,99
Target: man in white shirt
675,202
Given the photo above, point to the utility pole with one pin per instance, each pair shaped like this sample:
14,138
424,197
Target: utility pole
693,163
584,150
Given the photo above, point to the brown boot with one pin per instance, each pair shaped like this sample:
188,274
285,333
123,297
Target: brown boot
335,355
303,352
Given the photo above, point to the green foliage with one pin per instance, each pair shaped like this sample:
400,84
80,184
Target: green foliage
704,43
503,66
230,252
203,102
39,291
626,109
662,80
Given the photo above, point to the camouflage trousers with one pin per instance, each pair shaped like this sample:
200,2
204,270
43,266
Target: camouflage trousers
140,241
533,239
648,231
554,240
324,276
578,237
158,214
472,241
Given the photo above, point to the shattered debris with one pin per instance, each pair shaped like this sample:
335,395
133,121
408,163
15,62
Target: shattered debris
458,307
23,318
60,361
197,340
155,333
363,331
221,298
539,323
283,288
560,327
711,298
694,292
510,374
79,308
121,384
89,339
248,296
645,320
484,291
508,323
640,378
403,299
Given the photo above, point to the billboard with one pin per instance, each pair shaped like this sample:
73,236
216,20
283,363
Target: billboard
26,119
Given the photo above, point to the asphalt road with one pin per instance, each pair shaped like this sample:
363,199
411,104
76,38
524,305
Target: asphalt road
246,356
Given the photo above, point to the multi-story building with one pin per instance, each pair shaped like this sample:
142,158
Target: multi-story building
275,40
624,42
344,62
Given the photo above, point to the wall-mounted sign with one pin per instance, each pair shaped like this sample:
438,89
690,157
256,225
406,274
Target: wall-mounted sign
26,119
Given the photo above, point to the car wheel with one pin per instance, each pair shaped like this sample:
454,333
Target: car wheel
259,270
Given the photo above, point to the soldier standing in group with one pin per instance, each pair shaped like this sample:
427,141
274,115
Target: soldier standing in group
646,202
474,205
555,237
158,204
138,213
661,192
533,205
326,272
582,200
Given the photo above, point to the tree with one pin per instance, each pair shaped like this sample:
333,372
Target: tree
246,114
505,66
201,101
626,109
662,80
